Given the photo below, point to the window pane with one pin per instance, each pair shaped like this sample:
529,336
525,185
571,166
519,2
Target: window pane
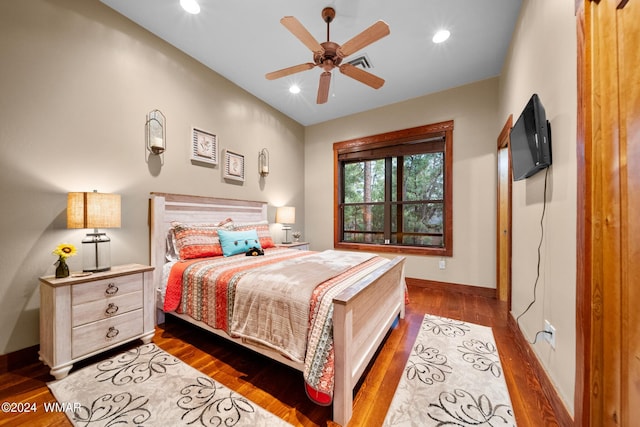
422,224
422,218
364,181
423,241
352,217
376,238
423,177
364,218
394,179
364,223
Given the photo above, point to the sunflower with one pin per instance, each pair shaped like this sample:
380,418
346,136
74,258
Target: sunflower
65,250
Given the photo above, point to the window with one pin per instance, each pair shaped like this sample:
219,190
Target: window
393,191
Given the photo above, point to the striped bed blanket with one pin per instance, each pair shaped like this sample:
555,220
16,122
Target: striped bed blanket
282,300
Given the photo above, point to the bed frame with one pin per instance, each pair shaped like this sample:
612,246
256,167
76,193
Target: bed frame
362,315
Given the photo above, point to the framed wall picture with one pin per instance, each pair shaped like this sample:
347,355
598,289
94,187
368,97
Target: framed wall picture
233,167
204,146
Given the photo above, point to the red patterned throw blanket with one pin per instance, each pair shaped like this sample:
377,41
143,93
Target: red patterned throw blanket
283,300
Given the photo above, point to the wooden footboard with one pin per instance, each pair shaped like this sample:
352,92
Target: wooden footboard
362,316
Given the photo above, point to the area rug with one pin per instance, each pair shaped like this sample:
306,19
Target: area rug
453,377
147,386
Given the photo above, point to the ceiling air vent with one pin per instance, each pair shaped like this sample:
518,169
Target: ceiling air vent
361,61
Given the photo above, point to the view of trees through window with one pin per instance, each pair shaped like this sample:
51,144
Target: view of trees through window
393,191
413,204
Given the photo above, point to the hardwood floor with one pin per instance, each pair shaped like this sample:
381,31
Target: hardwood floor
279,388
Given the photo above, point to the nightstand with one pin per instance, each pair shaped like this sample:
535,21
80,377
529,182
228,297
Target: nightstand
302,246
81,316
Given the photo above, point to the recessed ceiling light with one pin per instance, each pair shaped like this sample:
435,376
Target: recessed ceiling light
294,89
190,6
441,36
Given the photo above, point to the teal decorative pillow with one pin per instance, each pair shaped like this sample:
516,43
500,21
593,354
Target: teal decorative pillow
238,242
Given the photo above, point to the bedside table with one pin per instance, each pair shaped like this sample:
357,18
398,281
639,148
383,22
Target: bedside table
302,246
85,315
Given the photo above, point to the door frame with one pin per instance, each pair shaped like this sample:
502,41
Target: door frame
503,290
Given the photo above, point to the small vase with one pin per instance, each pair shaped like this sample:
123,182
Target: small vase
62,270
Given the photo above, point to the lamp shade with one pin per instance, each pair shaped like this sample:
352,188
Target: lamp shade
93,210
286,215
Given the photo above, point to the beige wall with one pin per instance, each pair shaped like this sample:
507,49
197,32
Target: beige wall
473,108
77,81
543,60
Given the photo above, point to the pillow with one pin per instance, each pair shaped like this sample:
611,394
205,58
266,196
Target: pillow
198,240
238,242
171,252
261,227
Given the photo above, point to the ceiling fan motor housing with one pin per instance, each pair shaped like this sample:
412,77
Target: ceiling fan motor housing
329,58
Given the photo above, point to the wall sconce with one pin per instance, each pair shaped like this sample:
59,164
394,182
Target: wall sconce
94,210
286,215
156,136
263,162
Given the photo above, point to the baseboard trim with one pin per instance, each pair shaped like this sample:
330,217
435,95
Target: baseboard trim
18,359
562,415
453,287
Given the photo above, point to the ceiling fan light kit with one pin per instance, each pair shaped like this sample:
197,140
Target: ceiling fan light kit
329,55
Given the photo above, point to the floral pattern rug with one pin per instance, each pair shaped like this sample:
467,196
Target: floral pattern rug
147,386
453,377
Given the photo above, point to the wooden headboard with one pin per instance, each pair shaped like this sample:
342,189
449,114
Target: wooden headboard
166,207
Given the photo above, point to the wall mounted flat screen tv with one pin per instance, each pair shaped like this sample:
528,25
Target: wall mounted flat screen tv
530,141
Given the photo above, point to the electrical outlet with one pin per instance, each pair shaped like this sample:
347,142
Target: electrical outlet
550,336
442,264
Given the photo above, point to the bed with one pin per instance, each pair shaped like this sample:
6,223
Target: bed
363,309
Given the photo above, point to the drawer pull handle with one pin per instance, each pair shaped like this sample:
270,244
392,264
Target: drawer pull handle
111,309
112,332
111,289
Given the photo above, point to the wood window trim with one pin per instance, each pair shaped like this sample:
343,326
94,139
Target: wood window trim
389,139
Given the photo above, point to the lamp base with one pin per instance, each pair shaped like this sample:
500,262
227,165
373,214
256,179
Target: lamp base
286,229
96,252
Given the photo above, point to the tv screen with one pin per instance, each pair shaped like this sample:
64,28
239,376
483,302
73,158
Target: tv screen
530,141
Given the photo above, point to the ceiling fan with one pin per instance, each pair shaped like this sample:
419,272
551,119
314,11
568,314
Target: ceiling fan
329,55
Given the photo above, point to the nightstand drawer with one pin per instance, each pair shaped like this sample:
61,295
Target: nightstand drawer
104,333
105,308
106,288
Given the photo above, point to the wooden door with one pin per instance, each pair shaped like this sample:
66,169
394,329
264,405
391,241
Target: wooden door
608,275
628,19
503,253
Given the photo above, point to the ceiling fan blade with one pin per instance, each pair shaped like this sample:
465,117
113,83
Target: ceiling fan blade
365,38
361,76
323,87
298,30
289,70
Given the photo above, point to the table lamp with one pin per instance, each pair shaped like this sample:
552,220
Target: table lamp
94,210
286,215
